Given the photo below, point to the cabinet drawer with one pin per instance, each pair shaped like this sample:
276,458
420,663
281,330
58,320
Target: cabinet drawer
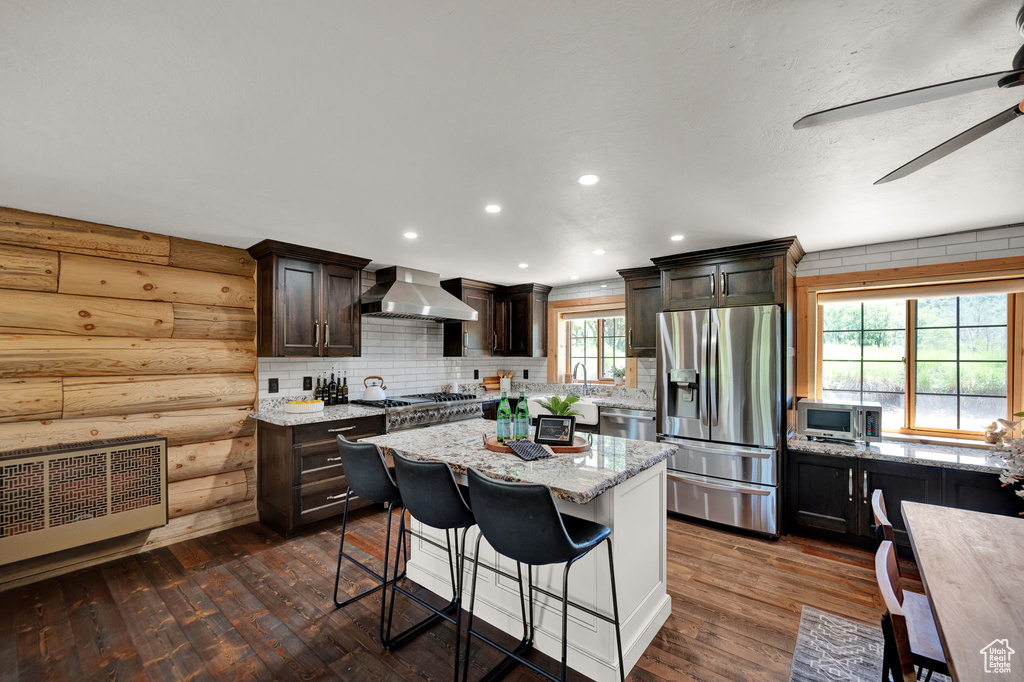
360,427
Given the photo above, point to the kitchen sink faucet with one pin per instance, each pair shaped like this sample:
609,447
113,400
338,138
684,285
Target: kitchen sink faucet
586,385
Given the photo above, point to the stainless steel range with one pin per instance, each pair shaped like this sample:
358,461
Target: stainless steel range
426,409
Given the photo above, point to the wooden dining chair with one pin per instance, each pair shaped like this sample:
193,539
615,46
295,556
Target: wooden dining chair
883,527
908,627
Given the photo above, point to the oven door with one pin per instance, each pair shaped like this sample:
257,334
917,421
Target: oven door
742,505
733,462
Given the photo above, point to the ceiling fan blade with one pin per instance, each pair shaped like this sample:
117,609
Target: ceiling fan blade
910,97
951,145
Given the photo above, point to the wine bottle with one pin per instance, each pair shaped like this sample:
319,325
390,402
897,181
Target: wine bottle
344,389
332,391
522,423
318,391
504,419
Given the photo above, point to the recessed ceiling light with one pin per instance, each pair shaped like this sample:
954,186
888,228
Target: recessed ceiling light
492,208
676,237
598,252
410,235
588,179
574,276
524,265
604,286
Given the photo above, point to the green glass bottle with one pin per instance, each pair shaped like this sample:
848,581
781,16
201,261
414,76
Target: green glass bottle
504,419
522,423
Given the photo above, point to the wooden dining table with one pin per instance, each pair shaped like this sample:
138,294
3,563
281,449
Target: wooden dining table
972,567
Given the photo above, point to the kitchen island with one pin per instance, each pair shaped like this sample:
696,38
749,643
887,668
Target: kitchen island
619,483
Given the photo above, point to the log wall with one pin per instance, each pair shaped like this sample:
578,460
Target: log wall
108,332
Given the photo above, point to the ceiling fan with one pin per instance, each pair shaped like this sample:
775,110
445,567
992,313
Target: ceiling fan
1001,79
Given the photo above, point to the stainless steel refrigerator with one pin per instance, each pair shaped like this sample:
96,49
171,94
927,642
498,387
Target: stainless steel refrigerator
719,396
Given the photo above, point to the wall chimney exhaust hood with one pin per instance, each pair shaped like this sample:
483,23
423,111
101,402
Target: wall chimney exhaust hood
413,295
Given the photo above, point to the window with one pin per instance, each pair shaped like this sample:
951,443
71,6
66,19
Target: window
935,364
599,343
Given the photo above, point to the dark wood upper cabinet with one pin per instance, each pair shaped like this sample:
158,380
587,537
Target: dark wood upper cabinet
643,303
307,301
527,320
512,321
751,274
476,338
751,282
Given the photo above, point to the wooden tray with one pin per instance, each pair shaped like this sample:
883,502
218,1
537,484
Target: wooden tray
580,444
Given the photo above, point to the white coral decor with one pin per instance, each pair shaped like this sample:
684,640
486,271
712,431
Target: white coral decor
1001,434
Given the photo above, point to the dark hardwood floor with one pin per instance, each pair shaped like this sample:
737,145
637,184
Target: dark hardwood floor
247,604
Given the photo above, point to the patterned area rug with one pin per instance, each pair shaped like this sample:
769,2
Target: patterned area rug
838,650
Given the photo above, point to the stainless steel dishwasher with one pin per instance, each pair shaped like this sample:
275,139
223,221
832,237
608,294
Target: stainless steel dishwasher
635,424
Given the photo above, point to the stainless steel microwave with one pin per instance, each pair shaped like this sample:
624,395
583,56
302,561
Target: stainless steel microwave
857,420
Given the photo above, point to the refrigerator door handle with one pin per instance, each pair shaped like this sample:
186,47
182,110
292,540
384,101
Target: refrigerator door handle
745,490
723,450
704,381
713,371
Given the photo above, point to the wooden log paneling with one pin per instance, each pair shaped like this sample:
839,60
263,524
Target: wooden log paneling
179,427
28,269
30,399
176,530
93,276
99,396
36,312
26,355
188,253
214,457
208,492
213,322
76,236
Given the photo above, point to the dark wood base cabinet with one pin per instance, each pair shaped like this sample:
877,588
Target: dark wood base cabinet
832,495
300,479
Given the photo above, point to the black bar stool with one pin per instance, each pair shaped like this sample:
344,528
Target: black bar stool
432,497
370,478
521,521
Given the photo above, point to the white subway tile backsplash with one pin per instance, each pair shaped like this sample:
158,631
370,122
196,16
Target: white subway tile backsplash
920,252
866,258
943,239
891,246
988,245
1002,232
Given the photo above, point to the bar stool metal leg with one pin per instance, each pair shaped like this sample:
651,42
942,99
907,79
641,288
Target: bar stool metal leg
342,555
393,642
615,609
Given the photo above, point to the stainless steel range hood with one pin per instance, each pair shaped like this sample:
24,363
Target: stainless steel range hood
413,295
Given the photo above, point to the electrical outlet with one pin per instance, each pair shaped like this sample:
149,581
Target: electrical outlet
526,374
272,386
307,383
476,374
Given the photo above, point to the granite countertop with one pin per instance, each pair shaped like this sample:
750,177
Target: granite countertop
944,456
576,477
275,414
626,403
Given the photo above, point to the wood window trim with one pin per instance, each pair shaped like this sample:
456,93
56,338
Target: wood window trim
558,340
808,319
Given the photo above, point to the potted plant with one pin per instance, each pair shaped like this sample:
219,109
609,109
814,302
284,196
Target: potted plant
1001,434
620,375
562,406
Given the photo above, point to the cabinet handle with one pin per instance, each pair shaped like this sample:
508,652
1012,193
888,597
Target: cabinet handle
865,487
465,340
316,327
495,341
851,485
629,341
327,334
334,459
342,496
713,285
344,428
723,284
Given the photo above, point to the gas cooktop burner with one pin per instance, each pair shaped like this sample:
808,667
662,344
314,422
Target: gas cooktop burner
390,402
442,397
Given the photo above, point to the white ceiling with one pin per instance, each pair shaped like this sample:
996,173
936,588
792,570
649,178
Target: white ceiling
342,125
